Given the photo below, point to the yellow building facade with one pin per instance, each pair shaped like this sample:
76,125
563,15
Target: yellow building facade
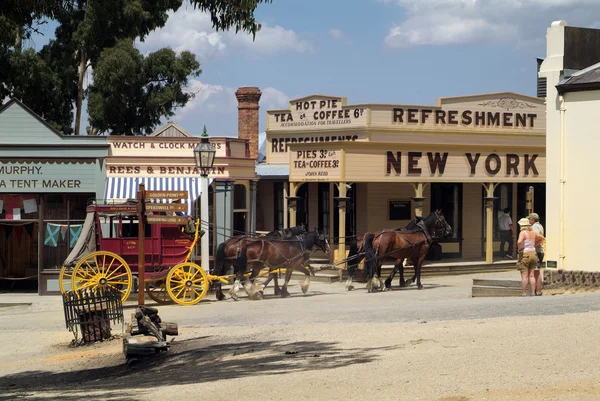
354,168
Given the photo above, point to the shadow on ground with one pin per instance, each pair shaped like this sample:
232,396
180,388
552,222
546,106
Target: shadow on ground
191,361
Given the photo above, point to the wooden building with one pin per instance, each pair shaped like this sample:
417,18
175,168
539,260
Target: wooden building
164,160
352,168
46,181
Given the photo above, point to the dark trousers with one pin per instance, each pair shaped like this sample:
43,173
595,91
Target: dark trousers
506,236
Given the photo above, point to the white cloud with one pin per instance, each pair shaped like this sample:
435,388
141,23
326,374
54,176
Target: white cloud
336,33
214,99
216,107
339,35
450,22
273,99
190,29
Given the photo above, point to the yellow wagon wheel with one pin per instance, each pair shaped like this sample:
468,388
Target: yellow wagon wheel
157,291
64,279
103,269
187,283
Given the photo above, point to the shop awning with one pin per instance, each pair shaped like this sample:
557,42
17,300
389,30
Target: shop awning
126,187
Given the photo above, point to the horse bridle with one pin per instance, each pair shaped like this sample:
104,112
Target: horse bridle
447,229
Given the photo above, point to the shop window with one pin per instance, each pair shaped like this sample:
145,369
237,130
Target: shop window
64,214
324,207
278,218
448,199
504,195
350,215
302,206
239,196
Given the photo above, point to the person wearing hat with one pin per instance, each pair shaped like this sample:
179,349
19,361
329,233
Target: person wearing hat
534,220
527,263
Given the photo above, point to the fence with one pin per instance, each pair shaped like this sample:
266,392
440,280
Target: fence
89,312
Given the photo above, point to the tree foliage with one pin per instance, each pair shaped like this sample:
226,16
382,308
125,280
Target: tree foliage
132,92
94,33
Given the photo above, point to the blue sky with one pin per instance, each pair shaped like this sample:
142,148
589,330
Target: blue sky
371,51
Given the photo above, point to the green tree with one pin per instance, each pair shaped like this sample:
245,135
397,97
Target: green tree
131,93
86,29
23,15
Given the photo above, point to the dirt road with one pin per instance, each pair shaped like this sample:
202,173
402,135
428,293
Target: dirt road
436,344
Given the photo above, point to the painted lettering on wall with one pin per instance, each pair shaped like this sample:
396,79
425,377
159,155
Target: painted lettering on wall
317,113
30,170
22,179
162,170
488,119
40,184
317,163
510,165
160,145
282,144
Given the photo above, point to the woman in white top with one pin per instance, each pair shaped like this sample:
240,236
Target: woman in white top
528,259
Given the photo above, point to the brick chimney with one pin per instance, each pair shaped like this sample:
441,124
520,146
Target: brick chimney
248,98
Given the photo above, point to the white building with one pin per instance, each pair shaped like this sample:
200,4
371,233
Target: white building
572,76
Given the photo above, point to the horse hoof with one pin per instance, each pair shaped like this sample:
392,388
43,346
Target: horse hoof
420,287
407,283
350,287
235,297
285,294
258,296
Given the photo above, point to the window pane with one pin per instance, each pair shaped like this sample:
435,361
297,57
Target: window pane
239,196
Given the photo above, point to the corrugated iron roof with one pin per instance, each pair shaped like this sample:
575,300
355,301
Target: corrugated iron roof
264,170
587,79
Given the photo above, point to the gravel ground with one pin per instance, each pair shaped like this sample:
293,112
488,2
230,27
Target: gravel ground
330,344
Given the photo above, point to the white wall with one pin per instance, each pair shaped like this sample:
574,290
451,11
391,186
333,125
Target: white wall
551,69
581,214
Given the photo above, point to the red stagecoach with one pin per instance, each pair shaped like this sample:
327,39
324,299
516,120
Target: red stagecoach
106,254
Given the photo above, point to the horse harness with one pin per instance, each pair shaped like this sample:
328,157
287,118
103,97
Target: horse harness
423,229
304,252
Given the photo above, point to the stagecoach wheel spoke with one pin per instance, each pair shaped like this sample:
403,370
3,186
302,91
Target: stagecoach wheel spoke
116,282
158,292
187,283
64,279
112,276
103,273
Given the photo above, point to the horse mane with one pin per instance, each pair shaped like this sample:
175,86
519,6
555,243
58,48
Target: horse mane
286,232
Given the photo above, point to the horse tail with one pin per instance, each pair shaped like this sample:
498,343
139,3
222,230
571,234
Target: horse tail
370,262
353,258
218,270
219,260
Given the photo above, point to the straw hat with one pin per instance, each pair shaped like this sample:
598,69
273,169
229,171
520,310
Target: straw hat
524,222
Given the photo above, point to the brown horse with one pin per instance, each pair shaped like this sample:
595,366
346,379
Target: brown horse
291,254
229,252
357,253
412,242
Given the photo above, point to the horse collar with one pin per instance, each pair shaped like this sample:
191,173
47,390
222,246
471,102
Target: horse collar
425,231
